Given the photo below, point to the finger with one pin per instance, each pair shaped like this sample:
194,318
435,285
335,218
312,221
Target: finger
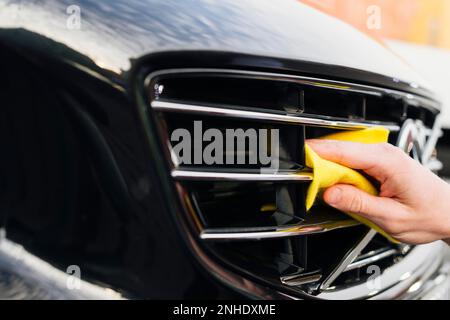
379,160
350,199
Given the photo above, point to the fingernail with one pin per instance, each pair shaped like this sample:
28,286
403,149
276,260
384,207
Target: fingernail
333,196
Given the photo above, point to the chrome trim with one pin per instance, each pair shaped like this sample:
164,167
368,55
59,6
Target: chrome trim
371,259
428,159
396,281
415,137
46,281
229,176
301,230
348,259
436,287
301,279
166,106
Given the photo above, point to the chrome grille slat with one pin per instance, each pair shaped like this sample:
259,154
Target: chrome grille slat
320,222
371,259
296,231
166,106
348,259
301,279
192,175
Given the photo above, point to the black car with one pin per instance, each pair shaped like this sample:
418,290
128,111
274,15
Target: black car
95,205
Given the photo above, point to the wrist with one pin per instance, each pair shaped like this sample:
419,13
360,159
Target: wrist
446,219
440,219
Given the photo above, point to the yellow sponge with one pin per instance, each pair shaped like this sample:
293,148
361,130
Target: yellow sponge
327,173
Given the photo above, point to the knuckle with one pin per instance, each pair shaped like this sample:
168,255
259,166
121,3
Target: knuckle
393,230
337,151
394,156
356,204
389,149
395,226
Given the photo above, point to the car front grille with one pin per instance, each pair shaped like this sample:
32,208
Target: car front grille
256,224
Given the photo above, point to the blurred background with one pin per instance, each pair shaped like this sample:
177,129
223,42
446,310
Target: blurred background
425,22
416,30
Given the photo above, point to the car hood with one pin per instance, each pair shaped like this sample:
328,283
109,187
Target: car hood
113,34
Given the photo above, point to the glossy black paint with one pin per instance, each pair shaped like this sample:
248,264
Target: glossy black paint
81,188
82,181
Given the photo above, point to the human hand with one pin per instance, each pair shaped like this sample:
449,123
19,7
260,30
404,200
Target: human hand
413,205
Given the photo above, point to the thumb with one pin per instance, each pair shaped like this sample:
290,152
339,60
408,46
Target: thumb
348,198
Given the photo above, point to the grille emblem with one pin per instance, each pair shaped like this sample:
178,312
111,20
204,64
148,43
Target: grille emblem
419,141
